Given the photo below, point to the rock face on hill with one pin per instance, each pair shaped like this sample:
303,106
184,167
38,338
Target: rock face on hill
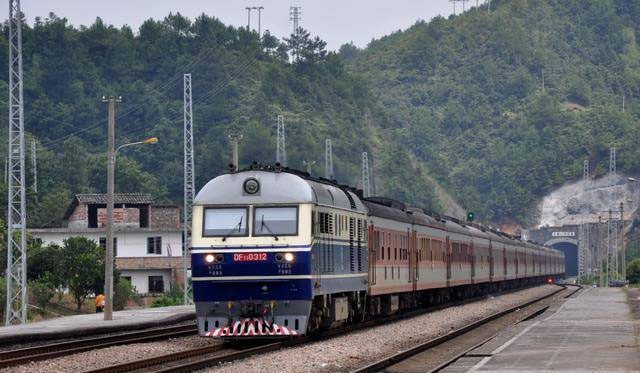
584,201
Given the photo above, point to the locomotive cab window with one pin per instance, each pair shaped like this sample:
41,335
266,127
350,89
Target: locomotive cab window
225,222
278,221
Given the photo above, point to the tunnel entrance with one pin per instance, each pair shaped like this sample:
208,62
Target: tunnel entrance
570,251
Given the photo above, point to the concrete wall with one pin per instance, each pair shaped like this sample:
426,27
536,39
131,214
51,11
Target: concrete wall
130,244
140,278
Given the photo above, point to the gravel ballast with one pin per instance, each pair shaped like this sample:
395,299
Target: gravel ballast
109,356
359,348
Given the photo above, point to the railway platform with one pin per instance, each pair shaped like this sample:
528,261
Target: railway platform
85,325
594,330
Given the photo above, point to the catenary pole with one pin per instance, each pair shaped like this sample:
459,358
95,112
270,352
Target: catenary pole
16,274
189,185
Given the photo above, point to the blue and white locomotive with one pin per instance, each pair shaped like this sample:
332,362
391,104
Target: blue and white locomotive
276,253
256,240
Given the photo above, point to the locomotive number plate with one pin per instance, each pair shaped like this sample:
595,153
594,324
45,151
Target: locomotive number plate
250,257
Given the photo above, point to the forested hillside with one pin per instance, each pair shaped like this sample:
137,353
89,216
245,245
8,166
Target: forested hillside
240,83
502,107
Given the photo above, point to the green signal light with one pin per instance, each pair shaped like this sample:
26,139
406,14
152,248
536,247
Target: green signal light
470,216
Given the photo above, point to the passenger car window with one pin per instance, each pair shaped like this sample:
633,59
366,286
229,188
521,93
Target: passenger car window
225,222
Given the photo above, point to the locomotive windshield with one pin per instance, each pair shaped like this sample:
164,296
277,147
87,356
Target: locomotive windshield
275,221
225,222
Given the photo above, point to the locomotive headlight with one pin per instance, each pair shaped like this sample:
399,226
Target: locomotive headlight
209,258
289,257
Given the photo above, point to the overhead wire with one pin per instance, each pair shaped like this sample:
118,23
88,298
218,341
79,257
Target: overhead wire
214,91
161,90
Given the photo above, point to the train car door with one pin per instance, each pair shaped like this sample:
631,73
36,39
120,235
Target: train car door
472,262
374,244
504,261
413,261
491,261
448,249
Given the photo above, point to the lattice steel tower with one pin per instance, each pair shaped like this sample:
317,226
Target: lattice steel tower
281,150
189,189
328,160
16,308
612,161
366,180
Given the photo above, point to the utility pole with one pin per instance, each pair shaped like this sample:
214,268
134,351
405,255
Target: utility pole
488,6
34,168
623,98
328,160
189,187
623,254
366,182
281,151
454,6
259,9
6,170
308,165
235,139
248,8
16,274
111,163
542,80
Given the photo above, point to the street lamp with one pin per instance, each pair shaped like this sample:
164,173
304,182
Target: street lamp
108,275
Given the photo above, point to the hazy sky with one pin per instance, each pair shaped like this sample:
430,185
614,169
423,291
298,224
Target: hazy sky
335,21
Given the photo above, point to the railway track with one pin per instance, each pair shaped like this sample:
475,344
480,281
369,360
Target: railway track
51,350
440,352
202,357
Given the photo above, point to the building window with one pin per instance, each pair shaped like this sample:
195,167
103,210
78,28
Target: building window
156,284
103,244
127,278
154,245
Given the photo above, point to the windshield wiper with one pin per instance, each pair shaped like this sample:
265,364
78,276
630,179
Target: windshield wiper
239,225
264,225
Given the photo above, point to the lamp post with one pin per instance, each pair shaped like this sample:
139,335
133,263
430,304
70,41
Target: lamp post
109,257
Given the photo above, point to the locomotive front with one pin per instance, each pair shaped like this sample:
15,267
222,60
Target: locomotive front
251,255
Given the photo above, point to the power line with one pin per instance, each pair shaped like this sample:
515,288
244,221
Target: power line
161,90
16,275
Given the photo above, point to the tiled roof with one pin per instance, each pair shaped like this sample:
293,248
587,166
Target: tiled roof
133,198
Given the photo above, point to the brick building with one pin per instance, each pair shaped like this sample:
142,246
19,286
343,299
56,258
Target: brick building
147,237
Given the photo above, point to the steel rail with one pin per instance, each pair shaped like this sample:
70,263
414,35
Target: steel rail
403,355
194,363
51,350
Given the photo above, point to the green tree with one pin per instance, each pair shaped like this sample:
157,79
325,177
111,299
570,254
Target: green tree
633,271
123,291
81,267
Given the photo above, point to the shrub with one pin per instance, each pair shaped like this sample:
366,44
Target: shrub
42,290
123,291
174,297
633,272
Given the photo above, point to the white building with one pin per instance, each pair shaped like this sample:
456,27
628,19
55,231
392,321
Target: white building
148,237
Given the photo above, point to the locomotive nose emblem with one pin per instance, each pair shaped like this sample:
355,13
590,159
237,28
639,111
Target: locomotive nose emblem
251,186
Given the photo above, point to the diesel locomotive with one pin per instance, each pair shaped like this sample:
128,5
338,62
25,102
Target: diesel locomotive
276,252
